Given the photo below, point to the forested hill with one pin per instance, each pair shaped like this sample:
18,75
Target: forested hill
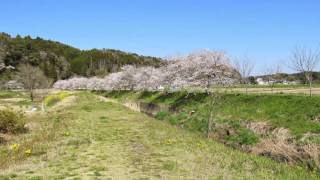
60,61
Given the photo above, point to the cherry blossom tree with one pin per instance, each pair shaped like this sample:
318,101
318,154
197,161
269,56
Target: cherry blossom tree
201,69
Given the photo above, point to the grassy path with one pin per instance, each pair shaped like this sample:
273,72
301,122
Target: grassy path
109,141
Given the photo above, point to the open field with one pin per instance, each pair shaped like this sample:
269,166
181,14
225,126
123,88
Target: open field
299,89
284,90
104,140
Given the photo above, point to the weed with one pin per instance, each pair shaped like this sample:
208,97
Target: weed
28,152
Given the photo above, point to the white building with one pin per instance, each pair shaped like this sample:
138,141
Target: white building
260,81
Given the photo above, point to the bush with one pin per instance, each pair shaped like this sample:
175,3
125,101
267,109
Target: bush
242,134
161,115
53,99
11,121
173,120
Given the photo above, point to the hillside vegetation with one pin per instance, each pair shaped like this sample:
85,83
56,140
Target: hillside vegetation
60,61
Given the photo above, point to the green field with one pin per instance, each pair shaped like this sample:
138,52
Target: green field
87,137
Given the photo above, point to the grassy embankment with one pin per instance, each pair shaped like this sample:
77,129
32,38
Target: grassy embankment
283,127
97,139
296,113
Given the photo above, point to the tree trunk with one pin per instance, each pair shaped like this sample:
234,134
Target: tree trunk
309,79
31,95
310,88
246,83
43,109
207,86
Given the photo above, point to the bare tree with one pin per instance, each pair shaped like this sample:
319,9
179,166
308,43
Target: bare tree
273,75
244,67
32,78
305,61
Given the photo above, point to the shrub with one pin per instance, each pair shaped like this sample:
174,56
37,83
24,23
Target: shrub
11,121
173,120
242,134
53,99
161,115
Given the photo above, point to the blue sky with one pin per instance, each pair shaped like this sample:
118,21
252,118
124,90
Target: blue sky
264,30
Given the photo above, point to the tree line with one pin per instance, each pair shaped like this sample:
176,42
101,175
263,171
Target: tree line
60,61
202,69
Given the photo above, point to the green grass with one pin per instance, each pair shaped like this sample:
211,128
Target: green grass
10,94
162,115
241,135
107,140
293,112
289,111
316,85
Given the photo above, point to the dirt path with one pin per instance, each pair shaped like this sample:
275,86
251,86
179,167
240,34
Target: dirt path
109,141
